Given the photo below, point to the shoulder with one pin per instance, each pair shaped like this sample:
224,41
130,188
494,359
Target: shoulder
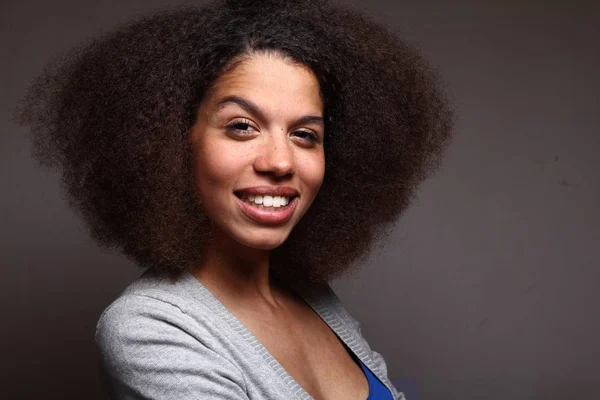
136,317
149,302
155,307
156,341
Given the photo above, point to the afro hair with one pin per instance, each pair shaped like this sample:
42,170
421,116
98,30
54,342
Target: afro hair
114,117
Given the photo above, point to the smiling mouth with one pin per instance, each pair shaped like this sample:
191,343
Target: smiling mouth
265,202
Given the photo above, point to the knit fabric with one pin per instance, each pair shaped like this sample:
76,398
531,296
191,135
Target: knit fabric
169,338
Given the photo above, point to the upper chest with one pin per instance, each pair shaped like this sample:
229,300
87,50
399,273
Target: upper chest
309,351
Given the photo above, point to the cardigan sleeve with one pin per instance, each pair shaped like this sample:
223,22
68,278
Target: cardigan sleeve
147,355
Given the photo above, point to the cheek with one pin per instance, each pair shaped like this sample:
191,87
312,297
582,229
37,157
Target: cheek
216,166
312,172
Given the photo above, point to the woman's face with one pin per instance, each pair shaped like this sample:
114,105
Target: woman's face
258,143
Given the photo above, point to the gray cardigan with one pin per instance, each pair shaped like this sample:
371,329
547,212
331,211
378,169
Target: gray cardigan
172,339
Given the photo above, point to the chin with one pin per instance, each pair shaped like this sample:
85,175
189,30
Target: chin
264,243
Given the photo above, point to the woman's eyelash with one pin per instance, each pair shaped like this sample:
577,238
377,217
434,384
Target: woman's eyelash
239,126
244,126
307,135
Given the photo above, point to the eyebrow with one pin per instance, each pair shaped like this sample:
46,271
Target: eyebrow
254,110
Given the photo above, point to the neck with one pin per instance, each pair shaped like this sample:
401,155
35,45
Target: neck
234,272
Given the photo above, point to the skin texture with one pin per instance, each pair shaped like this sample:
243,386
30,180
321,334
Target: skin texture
115,117
235,148
267,145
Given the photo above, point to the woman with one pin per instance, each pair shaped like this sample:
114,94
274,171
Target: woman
246,153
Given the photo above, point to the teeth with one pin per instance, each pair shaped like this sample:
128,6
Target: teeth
268,201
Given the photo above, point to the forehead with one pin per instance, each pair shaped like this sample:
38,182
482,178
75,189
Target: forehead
272,82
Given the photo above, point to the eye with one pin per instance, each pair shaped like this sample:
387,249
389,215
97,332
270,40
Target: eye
240,127
308,137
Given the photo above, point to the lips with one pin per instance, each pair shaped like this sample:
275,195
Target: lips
268,216
267,191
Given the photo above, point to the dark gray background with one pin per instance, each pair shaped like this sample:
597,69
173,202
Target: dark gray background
487,289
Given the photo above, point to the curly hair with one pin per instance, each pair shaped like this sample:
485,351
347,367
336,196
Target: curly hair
114,116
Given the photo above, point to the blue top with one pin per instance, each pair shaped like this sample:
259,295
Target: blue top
377,390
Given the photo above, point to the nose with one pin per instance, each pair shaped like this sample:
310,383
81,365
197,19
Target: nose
275,156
